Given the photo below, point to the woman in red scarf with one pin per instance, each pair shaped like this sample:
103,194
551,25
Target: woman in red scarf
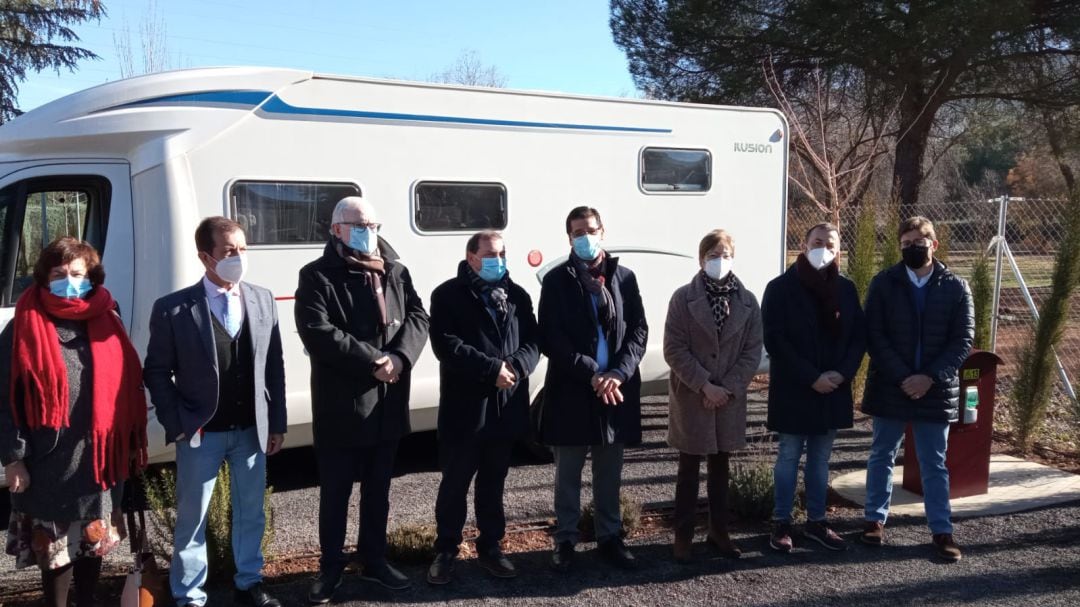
72,420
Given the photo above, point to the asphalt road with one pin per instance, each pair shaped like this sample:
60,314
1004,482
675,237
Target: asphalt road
1030,558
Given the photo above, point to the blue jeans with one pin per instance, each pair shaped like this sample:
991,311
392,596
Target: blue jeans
816,476
931,439
196,473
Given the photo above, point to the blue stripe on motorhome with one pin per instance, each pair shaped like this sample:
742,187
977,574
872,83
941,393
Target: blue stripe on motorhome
247,99
277,106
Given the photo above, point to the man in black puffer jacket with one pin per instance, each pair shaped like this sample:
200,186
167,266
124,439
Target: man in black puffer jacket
920,324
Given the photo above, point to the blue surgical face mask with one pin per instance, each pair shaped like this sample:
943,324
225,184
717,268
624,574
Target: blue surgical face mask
587,246
70,287
492,269
365,240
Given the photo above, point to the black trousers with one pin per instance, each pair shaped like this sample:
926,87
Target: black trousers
488,461
373,467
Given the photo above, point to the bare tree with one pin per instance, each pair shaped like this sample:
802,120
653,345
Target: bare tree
153,43
469,69
837,137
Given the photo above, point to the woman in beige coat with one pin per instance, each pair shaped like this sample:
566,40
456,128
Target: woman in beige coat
712,342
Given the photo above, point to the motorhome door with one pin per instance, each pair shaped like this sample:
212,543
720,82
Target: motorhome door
42,202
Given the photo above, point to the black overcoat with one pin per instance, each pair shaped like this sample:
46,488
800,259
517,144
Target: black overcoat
337,319
801,349
572,414
471,346
894,331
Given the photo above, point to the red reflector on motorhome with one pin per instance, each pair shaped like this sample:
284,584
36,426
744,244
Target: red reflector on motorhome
535,258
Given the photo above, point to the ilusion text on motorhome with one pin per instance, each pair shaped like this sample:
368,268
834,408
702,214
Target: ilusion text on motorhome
753,148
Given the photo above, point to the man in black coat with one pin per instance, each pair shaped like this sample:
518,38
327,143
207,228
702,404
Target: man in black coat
815,335
484,334
363,326
920,324
593,332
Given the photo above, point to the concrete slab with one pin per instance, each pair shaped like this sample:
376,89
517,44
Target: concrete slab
1015,485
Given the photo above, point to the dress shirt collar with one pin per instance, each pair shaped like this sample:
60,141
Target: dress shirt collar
212,290
915,280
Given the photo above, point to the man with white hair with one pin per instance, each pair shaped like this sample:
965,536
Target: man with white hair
363,326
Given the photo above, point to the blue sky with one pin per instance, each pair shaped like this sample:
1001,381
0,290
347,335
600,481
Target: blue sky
556,45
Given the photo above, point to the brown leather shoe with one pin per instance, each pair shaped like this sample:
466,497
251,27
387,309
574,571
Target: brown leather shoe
946,547
724,544
873,534
683,549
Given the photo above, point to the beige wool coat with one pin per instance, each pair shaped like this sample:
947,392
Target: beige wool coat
697,355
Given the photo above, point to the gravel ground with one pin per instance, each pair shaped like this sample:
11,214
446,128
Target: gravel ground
1028,558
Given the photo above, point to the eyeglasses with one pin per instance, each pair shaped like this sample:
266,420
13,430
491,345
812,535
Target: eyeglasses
369,226
925,242
589,231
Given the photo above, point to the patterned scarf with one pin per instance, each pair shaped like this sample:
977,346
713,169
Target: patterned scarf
495,292
591,275
373,270
720,293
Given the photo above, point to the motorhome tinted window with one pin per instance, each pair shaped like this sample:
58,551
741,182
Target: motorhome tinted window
460,207
676,170
287,212
37,211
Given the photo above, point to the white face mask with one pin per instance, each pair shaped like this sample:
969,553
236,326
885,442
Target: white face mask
231,269
719,267
820,257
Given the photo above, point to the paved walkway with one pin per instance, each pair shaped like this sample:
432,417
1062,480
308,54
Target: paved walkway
1016,485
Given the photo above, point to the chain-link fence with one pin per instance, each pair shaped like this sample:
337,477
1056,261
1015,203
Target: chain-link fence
1032,229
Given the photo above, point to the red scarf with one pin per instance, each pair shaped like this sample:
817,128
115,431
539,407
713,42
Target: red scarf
39,375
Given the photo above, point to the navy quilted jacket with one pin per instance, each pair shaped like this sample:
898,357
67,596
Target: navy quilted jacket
894,331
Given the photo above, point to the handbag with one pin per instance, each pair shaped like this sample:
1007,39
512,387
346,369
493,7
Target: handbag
146,585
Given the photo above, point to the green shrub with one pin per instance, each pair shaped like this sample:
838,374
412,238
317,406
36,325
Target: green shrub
890,243
1035,382
862,252
982,294
944,235
631,517
161,498
862,265
750,495
411,544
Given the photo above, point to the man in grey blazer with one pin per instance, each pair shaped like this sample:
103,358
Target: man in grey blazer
216,376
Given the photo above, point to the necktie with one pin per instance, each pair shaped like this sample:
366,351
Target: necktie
233,313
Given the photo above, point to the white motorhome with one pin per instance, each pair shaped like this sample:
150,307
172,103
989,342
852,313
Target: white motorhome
132,166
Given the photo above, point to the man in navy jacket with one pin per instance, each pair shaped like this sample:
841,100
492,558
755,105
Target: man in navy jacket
593,331
920,324
816,338
484,334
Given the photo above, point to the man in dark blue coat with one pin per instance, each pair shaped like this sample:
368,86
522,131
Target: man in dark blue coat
484,334
920,324
816,337
593,332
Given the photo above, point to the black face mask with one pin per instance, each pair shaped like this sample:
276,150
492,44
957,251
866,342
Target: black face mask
916,256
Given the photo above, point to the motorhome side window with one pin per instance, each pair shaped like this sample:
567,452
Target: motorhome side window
286,212
442,206
676,170
35,212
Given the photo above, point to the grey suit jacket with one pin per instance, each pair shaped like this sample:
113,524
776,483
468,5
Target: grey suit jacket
181,361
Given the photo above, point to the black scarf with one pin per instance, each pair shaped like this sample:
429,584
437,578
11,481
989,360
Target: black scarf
822,285
593,278
720,293
497,293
